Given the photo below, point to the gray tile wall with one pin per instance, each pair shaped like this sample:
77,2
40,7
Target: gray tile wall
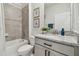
13,22
25,22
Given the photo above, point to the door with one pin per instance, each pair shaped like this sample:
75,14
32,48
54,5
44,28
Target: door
39,50
2,37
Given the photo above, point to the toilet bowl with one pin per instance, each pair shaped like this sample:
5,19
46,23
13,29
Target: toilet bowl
26,49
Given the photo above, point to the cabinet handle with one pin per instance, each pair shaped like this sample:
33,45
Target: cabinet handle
48,53
45,52
47,44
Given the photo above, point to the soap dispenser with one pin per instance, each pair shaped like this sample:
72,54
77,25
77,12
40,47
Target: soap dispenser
62,32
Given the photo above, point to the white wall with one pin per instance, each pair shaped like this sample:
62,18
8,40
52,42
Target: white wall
30,20
76,17
59,14
2,32
41,6
25,22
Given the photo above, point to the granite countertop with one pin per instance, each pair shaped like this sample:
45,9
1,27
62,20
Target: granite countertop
67,40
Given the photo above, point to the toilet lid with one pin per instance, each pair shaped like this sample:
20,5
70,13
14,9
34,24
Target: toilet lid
25,48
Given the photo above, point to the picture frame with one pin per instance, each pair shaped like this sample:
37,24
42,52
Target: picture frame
36,12
36,22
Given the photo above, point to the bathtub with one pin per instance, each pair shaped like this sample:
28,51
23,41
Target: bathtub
12,46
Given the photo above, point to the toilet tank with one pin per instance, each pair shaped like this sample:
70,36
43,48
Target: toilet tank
32,40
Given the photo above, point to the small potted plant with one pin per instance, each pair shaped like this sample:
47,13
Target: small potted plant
45,30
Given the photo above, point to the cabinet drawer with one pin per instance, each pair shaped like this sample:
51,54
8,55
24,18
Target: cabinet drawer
43,42
68,50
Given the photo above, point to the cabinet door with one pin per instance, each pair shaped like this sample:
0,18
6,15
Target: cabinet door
53,53
58,54
50,52
40,51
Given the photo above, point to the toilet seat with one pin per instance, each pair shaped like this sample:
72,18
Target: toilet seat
25,48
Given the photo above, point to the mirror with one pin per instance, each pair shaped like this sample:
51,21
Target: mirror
58,14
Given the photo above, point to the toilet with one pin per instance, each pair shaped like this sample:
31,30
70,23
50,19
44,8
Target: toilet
26,49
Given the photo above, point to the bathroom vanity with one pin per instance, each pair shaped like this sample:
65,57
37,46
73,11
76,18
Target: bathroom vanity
56,45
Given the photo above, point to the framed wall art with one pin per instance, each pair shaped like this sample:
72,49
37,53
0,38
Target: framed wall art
36,22
36,17
36,12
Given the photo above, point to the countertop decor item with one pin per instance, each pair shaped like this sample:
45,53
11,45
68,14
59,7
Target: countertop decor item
36,22
62,32
45,30
50,25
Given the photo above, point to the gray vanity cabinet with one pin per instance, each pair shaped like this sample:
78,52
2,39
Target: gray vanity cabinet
42,51
44,47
